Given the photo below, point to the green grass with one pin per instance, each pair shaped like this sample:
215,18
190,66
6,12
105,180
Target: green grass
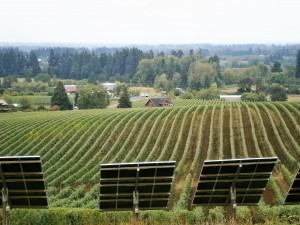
35,99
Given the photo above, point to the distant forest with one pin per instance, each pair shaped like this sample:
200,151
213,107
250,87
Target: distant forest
140,65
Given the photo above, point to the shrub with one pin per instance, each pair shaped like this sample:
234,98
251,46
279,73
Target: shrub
25,103
197,216
54,108
266,213
41,108
187,95
243,215
216,215
252,97
209,93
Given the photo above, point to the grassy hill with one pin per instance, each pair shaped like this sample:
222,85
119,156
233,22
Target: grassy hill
72,144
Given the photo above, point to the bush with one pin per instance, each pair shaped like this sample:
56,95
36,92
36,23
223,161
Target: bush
25,103
210,93
155,217
252,97
41,108
197,216
243,215
216,215
266,213
54,108
187,95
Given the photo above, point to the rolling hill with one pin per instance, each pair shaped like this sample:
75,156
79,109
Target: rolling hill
72,144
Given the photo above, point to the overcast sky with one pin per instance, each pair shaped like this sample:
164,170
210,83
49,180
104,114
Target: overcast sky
150,21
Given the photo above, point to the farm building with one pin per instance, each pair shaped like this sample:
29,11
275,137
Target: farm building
144,94
109,86
231,98
3,106
159,102
70,88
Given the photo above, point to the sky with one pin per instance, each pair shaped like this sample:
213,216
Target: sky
150,21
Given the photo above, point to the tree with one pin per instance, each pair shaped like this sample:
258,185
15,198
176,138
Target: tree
215,61
92,79
92,97
210,93
162,83
297,75
76,98
276,67
25,103
33,64
277,93
7,81
176,80
124,101
28,79
278,78
263,70
52,63
145,73
245,85
1,89
201,75
60,97
119,88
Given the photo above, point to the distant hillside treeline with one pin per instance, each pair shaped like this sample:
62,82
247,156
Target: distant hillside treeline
16,62
70,63
132,64
121,64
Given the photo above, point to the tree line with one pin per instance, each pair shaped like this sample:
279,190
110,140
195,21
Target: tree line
132,65
121,65
16,62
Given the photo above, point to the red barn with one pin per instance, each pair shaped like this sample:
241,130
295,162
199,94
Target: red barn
159,102
70,88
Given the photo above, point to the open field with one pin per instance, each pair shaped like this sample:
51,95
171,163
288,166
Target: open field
72,144
147,90
35,99
294,98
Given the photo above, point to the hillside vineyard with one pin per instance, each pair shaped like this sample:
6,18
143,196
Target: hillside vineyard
72,144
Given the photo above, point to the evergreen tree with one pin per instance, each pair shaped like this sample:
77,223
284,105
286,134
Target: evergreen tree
60,97
7,81
33,64
76,98
215,61
124,101
276,67
20,67
298,65
92,79
52,63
